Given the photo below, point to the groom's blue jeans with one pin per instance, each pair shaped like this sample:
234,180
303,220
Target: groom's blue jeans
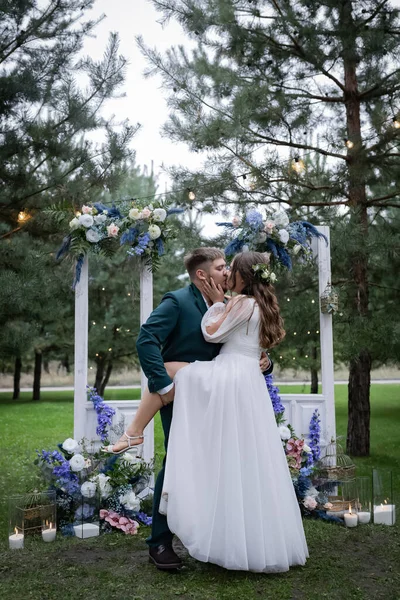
160,533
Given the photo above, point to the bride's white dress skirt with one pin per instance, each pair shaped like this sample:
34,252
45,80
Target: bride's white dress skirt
227,493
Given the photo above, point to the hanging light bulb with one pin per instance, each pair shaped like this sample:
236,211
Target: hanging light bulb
396,123
191,195
349,143
22,216
298,165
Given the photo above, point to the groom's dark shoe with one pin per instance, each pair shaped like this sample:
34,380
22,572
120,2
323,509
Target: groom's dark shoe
164,557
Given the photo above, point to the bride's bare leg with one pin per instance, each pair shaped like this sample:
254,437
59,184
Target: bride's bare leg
148,407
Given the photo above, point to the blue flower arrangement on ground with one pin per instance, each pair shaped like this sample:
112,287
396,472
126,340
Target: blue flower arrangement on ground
302,458
90,485
274,234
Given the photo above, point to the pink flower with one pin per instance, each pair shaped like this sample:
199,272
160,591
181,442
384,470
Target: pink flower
268,227
123,520
236,221
103,513
146,212
87,210
310,502
112,230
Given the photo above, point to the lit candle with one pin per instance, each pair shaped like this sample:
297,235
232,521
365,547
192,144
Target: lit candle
350,519
385,514
16,540
364,517
49,535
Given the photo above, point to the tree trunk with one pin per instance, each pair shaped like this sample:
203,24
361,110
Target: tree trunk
37,375
314,372
17,377
358,436
106,378
360,367
103,372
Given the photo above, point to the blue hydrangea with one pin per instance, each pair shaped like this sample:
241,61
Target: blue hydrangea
254,219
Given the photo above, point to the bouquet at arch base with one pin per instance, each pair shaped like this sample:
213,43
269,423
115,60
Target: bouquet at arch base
112,491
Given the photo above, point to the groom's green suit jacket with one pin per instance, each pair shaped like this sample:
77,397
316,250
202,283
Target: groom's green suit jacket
173,327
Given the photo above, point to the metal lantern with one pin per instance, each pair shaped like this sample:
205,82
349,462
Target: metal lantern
329,300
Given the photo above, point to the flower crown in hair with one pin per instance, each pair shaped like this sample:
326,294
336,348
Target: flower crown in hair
263,274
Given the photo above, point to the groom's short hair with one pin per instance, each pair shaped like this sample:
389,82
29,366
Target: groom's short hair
200,258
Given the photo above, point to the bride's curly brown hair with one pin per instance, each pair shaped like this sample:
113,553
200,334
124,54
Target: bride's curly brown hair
271,323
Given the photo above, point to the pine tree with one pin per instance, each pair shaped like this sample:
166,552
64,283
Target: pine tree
272,85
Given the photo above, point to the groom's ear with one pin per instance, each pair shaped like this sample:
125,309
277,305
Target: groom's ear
202,275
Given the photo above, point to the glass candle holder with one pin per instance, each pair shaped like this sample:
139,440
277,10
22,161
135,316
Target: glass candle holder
49,522
349,493
15,524
383,502
364,499
87,509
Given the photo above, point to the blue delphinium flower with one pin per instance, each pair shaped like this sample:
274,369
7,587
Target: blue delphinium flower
314,438
274,395
129,236
104,413
160,246
254,219
146,520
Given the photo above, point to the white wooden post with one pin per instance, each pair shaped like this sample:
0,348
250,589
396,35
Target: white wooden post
327,371
81,351
146,307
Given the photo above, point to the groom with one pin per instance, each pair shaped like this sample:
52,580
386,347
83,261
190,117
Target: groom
173,333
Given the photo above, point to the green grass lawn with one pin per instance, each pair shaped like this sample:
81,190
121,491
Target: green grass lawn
344,564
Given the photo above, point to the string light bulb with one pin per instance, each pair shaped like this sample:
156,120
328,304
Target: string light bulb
22,216
191,195
93,322
105,327
298,165
109,349
349,143
396,123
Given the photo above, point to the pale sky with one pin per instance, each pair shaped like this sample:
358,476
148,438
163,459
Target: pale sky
145,101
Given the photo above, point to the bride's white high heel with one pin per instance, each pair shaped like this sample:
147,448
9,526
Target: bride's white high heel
110,449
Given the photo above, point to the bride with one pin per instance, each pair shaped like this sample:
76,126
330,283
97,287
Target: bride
227,492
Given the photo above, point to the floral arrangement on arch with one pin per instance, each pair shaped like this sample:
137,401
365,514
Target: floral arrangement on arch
272,233
101,229
302,458
91,486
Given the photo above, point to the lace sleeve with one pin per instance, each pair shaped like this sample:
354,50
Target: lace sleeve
237,312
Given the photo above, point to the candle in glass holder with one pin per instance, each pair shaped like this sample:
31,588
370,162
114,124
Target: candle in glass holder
385,514
49,535
16,540
350,518
364,517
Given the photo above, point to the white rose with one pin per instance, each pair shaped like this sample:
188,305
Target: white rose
272,277
86,220
74,224
112,230
262,237
70,445
88,489
284,432
281,219
283,236
307,449
130,501
93,236
87,210
146,212
103,485
77,463
154,232
159,214
297,249
134,214
100,219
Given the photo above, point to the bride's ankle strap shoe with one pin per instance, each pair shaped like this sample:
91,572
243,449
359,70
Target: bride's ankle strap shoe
110,449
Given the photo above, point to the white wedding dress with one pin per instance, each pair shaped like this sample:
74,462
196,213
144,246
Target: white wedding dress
227,491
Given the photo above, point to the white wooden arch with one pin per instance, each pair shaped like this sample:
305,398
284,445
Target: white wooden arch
298,407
